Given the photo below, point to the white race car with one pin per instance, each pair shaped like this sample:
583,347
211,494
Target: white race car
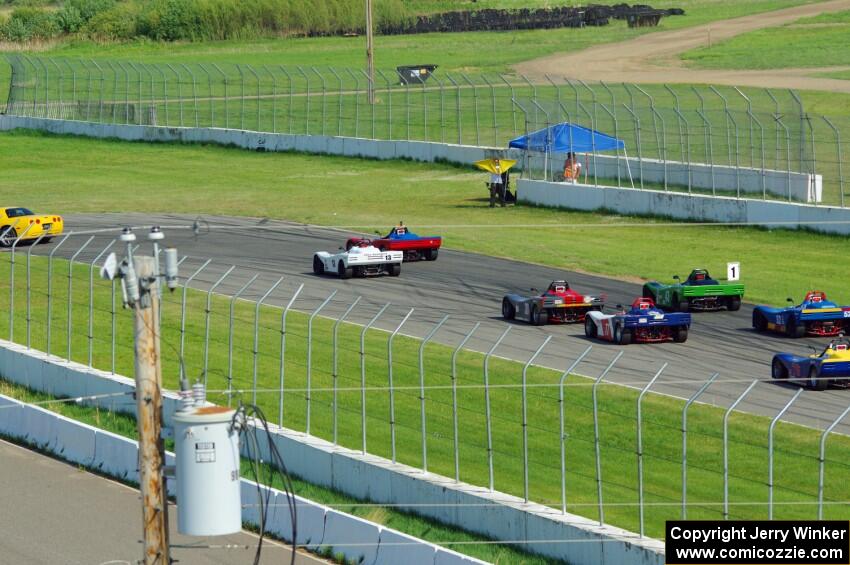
361,260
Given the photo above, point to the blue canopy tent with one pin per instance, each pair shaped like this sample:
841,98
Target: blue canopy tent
569,138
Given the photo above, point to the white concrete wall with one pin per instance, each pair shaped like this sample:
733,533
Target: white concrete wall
681,206
366,477
318,525
801,186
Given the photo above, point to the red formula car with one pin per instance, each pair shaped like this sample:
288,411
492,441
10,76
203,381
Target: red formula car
413,246
559,304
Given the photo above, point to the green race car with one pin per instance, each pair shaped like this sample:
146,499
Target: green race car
698,292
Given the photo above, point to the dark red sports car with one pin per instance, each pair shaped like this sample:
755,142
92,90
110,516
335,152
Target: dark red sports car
413,246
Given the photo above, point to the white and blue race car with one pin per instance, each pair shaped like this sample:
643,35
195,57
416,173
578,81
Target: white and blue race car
361,260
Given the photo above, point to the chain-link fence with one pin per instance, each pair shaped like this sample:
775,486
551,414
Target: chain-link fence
725,130
618,454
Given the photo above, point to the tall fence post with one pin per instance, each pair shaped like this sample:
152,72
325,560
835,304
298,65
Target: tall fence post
750,115
640,445
596,443
372,104
185,285
562,428
363,373
283,351
822,458
50,287
91,298
335,367
726,446
390,380
708,149
493,100
233,300
474,108
802,113
777,114
513,97
226,113
338,101
324,96
690,401
525,414
487,405
838,150
389,103
289,99
458,118
422,389
754,120
770,452
274,97
195,95
356,78
307,104
29,289
70,292
256,348
207,312
636,119
731,119
310,356
18,238
454,399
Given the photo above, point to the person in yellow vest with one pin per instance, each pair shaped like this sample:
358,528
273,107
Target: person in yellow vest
496,184
572,168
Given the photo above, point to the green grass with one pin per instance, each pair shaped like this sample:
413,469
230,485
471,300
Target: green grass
796,455
806,43
411,524
493,52
374,194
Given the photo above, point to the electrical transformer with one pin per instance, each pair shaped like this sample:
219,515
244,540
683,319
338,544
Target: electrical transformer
208,492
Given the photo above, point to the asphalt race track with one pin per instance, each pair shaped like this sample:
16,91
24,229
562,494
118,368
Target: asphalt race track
469,288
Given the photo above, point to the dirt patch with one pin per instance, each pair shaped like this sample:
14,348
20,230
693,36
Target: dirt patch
654,57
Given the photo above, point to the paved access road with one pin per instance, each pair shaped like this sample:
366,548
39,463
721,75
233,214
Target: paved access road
469,287
57,513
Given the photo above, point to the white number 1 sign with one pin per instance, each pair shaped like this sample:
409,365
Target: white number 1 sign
733,271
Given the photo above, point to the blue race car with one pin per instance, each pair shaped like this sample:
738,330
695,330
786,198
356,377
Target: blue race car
818,370
642,323
815,316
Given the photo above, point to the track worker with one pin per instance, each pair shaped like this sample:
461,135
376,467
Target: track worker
496,184
572,168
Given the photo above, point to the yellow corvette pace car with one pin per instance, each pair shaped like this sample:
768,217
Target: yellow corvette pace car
20,222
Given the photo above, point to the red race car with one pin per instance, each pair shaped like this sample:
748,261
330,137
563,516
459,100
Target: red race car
559,304
413,246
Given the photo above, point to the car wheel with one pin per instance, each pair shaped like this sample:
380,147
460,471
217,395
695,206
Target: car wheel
680,334
589,327
759,321
8,235
318,266
622,335
816,382
539,317
395,269
432,254
46,240
734,303
794,329
343,272
778,370
508,310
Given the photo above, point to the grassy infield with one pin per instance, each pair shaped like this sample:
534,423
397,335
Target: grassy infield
300,190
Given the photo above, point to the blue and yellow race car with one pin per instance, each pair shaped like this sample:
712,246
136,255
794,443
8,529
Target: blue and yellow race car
815,316
817,370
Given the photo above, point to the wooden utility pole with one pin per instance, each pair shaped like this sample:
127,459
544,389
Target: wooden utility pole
149,416
370,59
